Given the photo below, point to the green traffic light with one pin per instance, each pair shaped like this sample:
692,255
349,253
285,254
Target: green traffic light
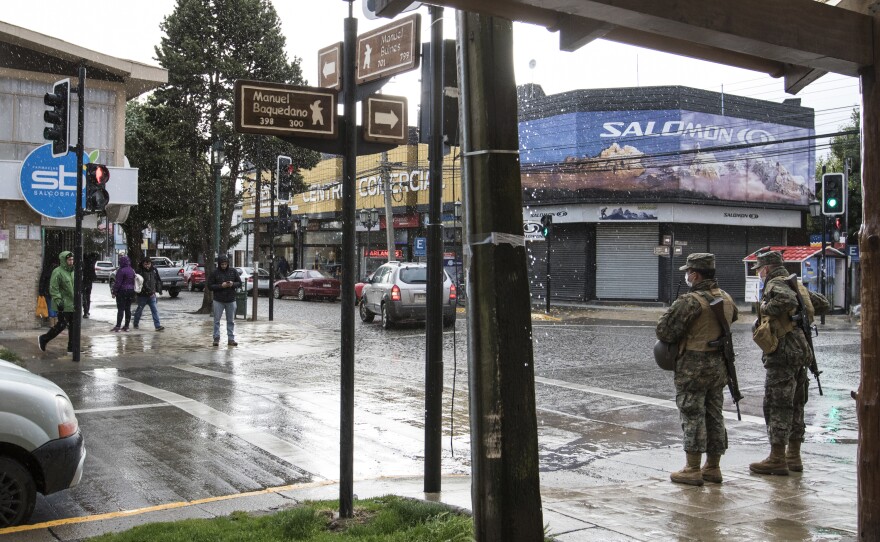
832,202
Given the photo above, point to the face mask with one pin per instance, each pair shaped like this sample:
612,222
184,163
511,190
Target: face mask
687,279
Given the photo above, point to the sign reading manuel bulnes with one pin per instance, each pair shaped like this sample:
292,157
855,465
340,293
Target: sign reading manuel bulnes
284,110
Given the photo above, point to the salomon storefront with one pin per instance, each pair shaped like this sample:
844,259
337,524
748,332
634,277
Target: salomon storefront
632,176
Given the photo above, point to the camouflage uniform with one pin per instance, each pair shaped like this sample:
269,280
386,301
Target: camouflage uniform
700,374
787,381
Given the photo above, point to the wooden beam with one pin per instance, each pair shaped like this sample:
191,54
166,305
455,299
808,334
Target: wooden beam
575,32
797,32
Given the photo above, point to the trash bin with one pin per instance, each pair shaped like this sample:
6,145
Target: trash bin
241,302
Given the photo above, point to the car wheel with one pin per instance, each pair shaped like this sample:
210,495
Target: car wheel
366,315
173,293
18,493
276,293
386,320
301,294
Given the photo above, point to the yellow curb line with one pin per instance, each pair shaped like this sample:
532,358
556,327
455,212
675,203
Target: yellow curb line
159,508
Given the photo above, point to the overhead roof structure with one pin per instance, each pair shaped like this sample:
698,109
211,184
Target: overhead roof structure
26,50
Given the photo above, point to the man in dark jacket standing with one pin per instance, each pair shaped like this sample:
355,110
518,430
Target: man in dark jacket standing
223,283
700,372
88,278
61,291
150,290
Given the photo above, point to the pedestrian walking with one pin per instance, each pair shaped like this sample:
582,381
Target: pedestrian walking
283,267
223,283
61,291
700,372
786,382
49,265
151,289
123,292
88,278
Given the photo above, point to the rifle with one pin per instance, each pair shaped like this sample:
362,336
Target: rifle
801,322
725,341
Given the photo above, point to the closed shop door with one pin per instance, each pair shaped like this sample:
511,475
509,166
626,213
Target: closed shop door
626,267
568,264
730,245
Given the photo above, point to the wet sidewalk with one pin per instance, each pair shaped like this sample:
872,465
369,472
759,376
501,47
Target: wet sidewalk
819,504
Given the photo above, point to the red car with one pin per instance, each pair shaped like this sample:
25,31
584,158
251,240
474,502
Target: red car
196,280
307,284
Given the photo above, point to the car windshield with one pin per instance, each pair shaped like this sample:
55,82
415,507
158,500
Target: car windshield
414,275
316,274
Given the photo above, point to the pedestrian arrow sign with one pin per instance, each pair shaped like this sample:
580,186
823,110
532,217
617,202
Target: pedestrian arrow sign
329,64
385,119
277,109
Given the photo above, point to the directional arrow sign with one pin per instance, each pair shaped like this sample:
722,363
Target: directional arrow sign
384,119
276,109
388,50
329,65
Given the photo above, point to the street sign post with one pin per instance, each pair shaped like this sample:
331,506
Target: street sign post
388,50
276,109
662,250
329,66
385,119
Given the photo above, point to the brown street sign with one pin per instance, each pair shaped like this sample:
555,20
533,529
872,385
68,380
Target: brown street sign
277,109
389,50
384,119
330,66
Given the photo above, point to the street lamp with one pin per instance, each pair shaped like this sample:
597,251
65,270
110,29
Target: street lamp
246,228
217,159
303,224
369,219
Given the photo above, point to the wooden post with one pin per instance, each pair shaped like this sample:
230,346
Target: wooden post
868,398
505,492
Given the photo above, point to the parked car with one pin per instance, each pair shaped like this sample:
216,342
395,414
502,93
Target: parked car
359,288
188,268
103,270
41,447
247,279
397,292
171,277
196,279
307,284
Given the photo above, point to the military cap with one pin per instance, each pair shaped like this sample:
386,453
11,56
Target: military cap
771,257
699,261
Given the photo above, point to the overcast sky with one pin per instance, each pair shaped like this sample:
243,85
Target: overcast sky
130,29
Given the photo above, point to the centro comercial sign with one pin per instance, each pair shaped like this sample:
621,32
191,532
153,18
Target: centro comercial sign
407,181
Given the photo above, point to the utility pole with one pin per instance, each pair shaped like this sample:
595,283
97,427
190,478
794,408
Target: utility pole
847,296
272,230
434,317
389,213
75,325
259,178
505,494
868,396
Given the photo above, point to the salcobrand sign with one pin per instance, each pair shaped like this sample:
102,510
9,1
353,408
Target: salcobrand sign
284,110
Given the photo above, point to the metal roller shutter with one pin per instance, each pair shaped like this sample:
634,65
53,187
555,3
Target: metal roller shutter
626,267
729,244
568,264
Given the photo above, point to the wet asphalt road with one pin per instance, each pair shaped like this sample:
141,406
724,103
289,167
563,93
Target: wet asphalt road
168,418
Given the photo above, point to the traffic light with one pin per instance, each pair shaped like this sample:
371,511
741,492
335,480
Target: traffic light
832,194
59,117
284,174
546,225
97,197
285,224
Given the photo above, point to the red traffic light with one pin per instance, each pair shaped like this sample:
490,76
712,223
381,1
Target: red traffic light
97,174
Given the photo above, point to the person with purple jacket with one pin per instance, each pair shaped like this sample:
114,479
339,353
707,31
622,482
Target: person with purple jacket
123,292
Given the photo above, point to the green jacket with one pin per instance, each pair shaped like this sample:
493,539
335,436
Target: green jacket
61,284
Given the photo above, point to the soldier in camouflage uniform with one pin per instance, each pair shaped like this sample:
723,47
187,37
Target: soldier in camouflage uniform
700,373
786,381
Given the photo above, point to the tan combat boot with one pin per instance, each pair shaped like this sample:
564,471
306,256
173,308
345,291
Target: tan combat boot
690,474
712,469
793,456
774,464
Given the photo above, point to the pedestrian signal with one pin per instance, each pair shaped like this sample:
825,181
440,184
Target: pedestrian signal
832,194
546,225
97,176
59,117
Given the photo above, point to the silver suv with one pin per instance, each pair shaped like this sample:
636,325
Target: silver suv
41,446
398,292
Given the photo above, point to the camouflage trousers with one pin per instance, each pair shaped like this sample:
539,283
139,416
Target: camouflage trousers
785,390
700,378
